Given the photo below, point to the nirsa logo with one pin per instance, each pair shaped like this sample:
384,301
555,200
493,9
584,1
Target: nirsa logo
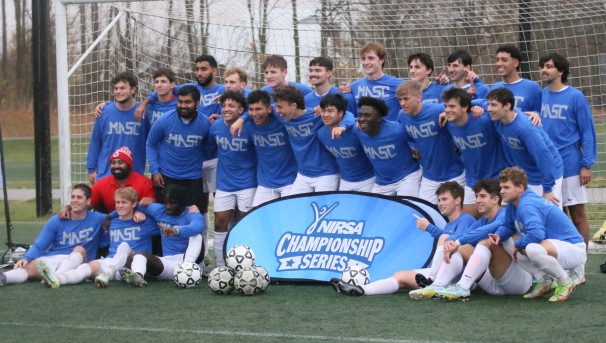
328,244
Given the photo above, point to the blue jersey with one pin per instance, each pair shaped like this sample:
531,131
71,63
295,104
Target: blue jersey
481,148
60,237
174,148
433,93
237,166
526,92
137,235
188,223
207,105
113,130
481,89
276,163
529,148
154,110
439,159
388,152
479,230
312,100
537,219
383,88
349,154
456,227
568,122
303,88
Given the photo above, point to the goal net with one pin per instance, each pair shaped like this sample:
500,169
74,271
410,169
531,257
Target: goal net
151,34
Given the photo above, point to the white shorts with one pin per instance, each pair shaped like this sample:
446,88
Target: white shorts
424,271
573,193
408,186
54,261
570,255
209,175
243,199
264,194
104,264
170,266
557,190
469,194
360,186
305,184
516,281
428,190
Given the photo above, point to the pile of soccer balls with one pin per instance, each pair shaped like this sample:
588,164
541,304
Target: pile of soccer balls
240,274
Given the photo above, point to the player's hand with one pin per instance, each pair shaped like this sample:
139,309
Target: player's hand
139,217
140,110
514,254
494,239
146,201
317,110
416,154
92,177
236,127
534,118
106,222
21,264
471,77
472,90
168,231
194,209
551,197
336,132
477,112
345,88
450,247
99,109
442,78
585,176
442,119
213,117
158,180
215,99
422,223
65,212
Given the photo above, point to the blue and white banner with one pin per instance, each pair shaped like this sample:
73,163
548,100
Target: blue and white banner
316,236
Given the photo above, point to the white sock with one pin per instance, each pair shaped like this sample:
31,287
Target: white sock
477,264
549,264
383,286
139,264
205,232
449,271
194,246
16,276
72,262
119,260
525,263
438,258
218,248
74,276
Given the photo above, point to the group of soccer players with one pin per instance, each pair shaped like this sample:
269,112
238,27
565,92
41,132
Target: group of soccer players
379,134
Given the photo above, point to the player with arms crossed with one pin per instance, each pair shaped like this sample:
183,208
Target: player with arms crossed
420,68
275,69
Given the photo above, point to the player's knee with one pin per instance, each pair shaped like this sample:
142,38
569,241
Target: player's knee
485,243
534,250
80,250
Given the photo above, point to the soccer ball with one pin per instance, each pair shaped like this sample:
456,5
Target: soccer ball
264,277
239,257
248,281
356,275
221,280
188,275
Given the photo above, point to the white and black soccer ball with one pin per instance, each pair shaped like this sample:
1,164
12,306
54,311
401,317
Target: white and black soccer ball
188,275
239,257
248,281
264,274
356,275
221,280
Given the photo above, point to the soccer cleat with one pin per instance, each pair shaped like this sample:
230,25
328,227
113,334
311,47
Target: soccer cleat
578,275
2,279
422,281
424,293
133,278
540,289
343,287
562,292
454,292
102,280
48,275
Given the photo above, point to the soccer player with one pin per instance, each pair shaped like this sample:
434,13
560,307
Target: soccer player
549,244
356,173
275,69
527,146
568,121
320,71
276,163
174,147
235,79
460,73
62,245
376,83
386,144
439,160
420,68
117,128
526,92
164,83
477,140
181,239
236,170
125,237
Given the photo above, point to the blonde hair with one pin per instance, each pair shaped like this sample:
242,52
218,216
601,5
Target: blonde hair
127,193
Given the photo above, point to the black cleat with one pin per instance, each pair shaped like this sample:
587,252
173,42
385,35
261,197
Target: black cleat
422,281
343,287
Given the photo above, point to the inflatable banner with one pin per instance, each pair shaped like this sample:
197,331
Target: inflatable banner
314,237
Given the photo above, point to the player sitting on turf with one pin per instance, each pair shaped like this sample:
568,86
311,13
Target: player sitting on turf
62,245
125,235
181,239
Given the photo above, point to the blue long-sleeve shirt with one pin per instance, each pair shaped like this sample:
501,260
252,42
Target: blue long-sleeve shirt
137,235
433,93
383,88
479,230
353,164
155,110
305,89
481,88
456,227
526,92
312,100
